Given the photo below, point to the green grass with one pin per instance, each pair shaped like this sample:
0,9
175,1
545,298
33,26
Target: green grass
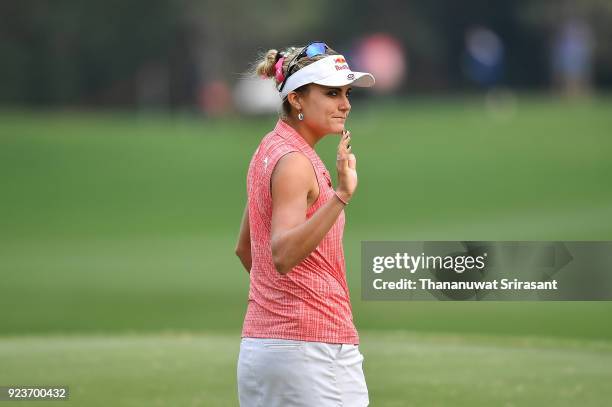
401,369
116,227
430,169
147,284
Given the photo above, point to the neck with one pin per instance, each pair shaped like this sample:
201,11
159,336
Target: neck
307,134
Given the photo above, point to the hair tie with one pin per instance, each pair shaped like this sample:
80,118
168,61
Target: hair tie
278,70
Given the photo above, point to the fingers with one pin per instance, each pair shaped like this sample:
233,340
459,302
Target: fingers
344,147
346,159
352,161
342,162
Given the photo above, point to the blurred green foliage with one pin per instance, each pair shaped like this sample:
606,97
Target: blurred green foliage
67,52
76,53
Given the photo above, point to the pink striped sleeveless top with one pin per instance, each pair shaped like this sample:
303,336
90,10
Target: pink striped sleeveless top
311,302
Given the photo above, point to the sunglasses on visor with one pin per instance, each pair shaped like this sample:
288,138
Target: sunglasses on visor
311,50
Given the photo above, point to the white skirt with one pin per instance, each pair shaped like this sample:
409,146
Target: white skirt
288,373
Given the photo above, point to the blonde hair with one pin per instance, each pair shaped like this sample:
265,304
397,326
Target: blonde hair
264,67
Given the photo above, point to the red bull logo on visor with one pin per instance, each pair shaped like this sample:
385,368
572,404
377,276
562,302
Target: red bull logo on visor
340,63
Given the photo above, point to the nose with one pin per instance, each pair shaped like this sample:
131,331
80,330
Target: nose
345,105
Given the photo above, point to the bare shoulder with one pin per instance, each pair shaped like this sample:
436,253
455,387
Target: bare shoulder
294,167
294,176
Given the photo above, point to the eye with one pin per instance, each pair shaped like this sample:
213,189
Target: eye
332,93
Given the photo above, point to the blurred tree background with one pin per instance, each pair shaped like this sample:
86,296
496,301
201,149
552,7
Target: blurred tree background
162,53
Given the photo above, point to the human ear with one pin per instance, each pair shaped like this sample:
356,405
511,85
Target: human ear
294,100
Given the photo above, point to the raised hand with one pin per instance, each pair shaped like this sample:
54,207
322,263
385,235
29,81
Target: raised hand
346,164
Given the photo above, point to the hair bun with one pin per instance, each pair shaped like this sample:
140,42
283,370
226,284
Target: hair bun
266,67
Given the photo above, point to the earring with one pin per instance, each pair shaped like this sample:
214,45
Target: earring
300,116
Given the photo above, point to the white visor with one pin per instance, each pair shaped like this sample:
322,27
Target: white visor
332,70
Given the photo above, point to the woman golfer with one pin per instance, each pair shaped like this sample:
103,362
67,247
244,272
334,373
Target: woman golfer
299,343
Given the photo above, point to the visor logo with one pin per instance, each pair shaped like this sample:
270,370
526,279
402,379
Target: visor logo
341,67
340,61
350,76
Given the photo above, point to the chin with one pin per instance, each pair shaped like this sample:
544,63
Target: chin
337,128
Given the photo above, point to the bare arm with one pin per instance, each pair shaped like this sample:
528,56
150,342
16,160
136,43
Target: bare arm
293,237
243,247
